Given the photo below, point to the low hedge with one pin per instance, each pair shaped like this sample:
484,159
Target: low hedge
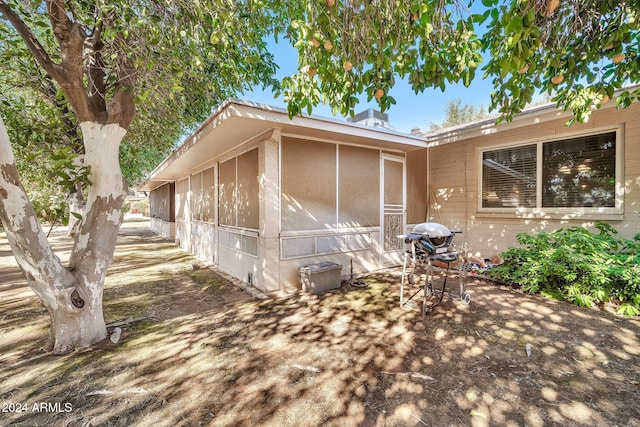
576,265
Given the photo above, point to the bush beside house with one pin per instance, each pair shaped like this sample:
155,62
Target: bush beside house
577,265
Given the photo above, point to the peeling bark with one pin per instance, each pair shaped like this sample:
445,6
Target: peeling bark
72,295
76,205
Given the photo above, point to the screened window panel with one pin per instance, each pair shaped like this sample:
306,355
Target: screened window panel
509,177
160,200
182,194
196,196
227,192
208,195
248,206
359,180
393,177
308,185
579,172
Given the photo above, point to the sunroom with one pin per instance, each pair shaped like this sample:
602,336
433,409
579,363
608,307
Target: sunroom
260,195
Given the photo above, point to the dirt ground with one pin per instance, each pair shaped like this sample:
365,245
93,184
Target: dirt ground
198,350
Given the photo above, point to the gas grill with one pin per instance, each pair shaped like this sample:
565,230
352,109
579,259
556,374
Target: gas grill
430,242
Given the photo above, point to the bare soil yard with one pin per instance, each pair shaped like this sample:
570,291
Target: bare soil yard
198,350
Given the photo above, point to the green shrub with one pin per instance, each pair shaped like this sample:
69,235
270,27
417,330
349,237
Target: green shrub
576,265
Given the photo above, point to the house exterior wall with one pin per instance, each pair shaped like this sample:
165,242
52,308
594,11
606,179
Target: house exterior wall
283,197
217,212
265,209
331,197
454,182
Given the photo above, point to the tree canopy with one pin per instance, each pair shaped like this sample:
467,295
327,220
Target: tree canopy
183,58
579,51
175,60
458,113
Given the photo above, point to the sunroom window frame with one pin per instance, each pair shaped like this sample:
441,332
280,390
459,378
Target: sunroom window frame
562,212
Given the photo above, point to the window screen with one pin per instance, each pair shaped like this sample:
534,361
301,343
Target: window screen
196,197
227,192
182,194
208,195
248,191
509,177
359,180
238,194
393,178
161,200
308,184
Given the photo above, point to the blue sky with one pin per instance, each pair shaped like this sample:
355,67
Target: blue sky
410,111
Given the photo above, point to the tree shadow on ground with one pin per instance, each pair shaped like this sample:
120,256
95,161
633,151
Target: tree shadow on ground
206,353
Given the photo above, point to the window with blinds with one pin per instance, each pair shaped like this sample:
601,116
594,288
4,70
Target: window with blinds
509,177
578,172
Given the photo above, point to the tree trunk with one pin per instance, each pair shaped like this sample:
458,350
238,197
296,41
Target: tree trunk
75,204
73,295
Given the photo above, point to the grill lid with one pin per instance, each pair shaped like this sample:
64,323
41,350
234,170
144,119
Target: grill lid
431,229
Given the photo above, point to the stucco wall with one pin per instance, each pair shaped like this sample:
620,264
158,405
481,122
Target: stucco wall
164,228
453,178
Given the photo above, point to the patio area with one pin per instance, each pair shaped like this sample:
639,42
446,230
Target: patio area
198,350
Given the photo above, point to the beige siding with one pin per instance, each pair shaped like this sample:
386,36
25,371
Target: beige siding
416,186
453,189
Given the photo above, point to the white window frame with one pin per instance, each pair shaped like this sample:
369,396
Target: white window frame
614,212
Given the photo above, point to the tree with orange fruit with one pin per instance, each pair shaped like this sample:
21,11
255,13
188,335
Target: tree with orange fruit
578,51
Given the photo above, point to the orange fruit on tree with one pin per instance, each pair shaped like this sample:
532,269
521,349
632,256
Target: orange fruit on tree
379,93
331,2
618,58
551,6
312,72
347,66
315,42
328,45
557,79
523,69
